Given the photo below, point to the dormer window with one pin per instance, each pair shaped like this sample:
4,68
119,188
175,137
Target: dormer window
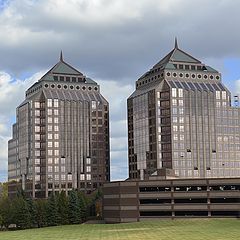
204,68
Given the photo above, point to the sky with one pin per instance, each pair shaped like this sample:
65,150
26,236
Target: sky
114,42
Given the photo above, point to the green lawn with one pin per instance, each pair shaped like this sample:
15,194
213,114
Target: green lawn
190,229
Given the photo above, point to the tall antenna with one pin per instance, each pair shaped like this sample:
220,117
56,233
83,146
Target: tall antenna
176,43
61,56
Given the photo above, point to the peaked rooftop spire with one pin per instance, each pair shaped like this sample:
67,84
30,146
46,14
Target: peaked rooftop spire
61,56
176,43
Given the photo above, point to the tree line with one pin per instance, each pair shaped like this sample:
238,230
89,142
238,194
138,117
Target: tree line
59,209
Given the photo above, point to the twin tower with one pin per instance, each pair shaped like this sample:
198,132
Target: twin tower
180,125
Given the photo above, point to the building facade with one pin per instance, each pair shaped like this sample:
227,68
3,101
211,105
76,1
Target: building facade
132,201
180,119
61,135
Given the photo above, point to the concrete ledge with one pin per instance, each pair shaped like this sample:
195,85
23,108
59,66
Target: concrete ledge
128,195
125,208
111,208
111,196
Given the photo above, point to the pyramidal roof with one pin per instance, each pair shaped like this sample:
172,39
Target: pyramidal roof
61,68
177,55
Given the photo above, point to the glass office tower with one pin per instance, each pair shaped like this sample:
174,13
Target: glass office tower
61,136
181,122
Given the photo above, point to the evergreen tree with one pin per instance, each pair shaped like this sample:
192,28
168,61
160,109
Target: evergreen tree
41,212
1,221
83,206
21,213
62,203
6,211
32,211
52,211
74,208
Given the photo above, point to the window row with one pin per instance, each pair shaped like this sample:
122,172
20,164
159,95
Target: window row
70,87
52,112
193,75
56,169
56,177
56,161
177,128
51,128
52,120
221,95
53,152
53,144
53,136
85,177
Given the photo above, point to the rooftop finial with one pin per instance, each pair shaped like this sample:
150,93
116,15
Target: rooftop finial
61,56
176,43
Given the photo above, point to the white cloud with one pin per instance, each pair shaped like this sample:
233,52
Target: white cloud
13,92
118,128
119,144
114,39
116,93
119,165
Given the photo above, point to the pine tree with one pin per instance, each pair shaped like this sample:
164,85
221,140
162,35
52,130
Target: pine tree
74,208
83,206
62,204
52,211
32,211
41,213
1,221
6,211
21,213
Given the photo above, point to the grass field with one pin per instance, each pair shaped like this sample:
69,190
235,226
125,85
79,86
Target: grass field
212,229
